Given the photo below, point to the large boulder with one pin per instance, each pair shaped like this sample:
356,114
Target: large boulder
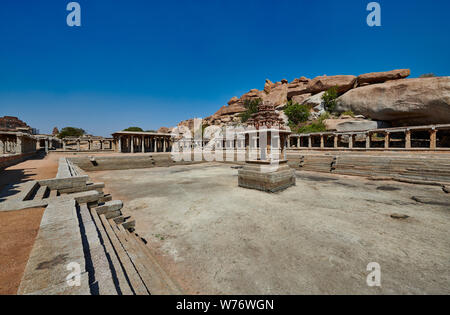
164,130
315,101
353,124
402,102
297,87
277,95
324,83
380,77
299,99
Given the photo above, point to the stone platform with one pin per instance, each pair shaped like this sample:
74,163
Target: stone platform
264,176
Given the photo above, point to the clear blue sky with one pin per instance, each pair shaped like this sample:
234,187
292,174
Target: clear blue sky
154,63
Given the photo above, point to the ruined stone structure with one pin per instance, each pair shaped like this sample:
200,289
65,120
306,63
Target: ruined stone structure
10,123
87,143
425,138
48,142
16,143
267,168
142,142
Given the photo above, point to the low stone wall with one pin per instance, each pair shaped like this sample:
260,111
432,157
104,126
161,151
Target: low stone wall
118,162
420,169
7,161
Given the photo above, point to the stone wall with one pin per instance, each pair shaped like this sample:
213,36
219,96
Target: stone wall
8,161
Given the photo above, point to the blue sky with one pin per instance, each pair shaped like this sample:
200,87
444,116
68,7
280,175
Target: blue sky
154,63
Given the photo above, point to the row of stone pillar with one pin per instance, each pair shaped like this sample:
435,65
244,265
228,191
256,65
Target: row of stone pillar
17,145
90,144
8,146
143,144
387,139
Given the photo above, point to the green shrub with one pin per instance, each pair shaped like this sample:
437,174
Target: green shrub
71,132
317,126
252,107
427,75
136,129
348,113
329,99
313,127
296,113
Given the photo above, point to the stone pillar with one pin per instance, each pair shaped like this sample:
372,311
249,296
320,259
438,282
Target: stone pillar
2,147
78,145
367,140
120,144
336,141
408,139
298,142
18,149
350,142
64,145
143,144
164,144
132,144
309,142
433,139
386,140
155,149
46,145
322,143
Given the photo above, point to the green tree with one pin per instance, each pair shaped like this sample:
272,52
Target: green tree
317,126
296,113
71,132
137,129
329,99
251,107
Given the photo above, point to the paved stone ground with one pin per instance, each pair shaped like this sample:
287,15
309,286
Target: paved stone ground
317,237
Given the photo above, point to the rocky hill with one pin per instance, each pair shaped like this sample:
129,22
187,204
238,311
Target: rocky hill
376,99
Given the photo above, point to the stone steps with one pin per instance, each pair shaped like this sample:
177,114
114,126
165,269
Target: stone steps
41,193
105,272
154,277
413,168
121,280
133,276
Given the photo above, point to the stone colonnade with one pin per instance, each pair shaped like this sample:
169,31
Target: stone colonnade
142,143
48,142
392,138
92,144
16,143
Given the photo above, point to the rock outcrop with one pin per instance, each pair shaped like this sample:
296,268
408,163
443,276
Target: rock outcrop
381,77
402,102
353,124
323,83
379,96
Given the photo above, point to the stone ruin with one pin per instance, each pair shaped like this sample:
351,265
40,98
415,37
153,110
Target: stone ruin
267,171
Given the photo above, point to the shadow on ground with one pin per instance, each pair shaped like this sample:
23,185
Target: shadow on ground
12,177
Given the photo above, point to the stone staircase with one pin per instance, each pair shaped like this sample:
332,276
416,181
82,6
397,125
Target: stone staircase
426,169
83,226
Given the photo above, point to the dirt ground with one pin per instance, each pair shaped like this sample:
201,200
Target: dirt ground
18,229
318,237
